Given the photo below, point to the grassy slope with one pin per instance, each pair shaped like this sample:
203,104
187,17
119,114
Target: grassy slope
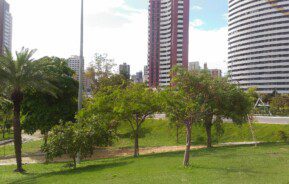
159,133
244,164
29,147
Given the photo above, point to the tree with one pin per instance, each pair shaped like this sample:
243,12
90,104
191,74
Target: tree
101,67
182,102
133,105
19,75
73,138
42,110
219,99
100,108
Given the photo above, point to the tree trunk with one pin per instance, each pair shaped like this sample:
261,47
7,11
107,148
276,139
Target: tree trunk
45,137
17,98
177,134
209,134
188,145
3,132
136,146
208,126
74,162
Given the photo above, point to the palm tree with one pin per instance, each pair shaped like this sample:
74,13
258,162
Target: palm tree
17,76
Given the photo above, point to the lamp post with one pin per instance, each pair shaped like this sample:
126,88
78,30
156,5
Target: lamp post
81,64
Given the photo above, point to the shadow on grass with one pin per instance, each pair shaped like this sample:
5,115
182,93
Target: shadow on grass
32,177
213,151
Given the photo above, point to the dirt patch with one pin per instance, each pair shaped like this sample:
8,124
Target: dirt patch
100,153
109,152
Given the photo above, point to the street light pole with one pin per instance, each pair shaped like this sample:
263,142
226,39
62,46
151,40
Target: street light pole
81,65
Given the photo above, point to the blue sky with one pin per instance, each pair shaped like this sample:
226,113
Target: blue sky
211,12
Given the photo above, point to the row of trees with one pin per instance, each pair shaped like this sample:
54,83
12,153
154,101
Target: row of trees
194,98
45,92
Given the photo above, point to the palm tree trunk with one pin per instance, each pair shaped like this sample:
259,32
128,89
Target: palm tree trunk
188,145
17,98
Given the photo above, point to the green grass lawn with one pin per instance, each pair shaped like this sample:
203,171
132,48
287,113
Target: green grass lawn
27,148
268,163
159,133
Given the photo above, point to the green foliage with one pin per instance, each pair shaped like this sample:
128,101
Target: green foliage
280,105
253,95
42,110
73,138
18,76
24,73
100,108
136,102
133,105
198,97
181,101
6,117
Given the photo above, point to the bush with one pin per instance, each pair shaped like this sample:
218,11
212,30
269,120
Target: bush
73,138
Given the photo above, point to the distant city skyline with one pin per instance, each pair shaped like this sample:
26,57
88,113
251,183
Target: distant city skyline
115,27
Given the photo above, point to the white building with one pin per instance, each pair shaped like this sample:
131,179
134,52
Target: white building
74,64
259,45
146,74
5,26
194,66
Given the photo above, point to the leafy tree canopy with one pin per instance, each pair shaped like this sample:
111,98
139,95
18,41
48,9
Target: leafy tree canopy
42,111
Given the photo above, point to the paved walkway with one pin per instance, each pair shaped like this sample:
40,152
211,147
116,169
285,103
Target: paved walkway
25,138
271,120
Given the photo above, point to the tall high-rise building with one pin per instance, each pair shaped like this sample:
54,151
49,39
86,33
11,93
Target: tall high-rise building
124,69
5,26
138,77
259,45
74,64
146,74
168,39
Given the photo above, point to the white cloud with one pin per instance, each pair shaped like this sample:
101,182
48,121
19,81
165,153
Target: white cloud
196,23
53,27
196,7
209,46
111,26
